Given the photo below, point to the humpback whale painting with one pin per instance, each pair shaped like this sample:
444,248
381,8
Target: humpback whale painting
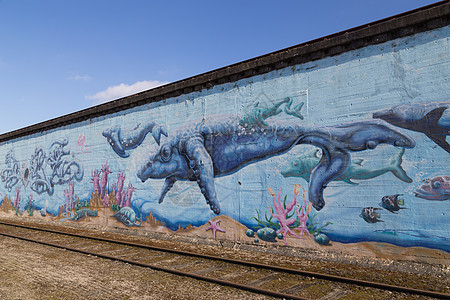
431,118
219,146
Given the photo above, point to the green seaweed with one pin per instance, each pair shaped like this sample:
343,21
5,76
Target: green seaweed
30,208
267,223
313,227
30,211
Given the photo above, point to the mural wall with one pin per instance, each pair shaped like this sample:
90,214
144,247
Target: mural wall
347,149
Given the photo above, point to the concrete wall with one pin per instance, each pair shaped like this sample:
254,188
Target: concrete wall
346,153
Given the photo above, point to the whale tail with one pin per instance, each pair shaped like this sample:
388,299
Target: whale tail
397,169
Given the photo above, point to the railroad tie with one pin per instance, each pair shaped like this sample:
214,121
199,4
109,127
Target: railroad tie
114,251
295,289
263,280
83,245
180,266
148,256
230,276
166,261
335,294
128,254
207,270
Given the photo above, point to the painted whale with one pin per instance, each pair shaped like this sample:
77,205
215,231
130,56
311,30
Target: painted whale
219,146
432,119
258,114
120,141
303,165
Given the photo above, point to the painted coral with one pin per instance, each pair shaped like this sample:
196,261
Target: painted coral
96,181
281,212
104,179
303,216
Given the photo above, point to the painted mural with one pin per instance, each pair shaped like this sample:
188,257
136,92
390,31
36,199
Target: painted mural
346,150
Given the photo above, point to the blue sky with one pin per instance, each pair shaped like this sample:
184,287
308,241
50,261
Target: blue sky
58,57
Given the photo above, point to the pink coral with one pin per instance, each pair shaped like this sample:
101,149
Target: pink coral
104,179
124,198
303,216
66,195
96,181
214,226
120,195
114,189
106,200
281,212
69,195
130,191
17,199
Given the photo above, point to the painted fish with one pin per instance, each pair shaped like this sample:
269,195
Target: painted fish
436,189
392,203
303,165
370,215
432,118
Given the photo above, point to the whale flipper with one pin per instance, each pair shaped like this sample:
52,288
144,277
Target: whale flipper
333,163
201,163
168,184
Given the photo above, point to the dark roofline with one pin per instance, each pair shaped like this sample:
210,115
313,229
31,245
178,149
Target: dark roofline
415,21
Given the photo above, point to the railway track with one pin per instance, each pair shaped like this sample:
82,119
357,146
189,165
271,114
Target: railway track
263,279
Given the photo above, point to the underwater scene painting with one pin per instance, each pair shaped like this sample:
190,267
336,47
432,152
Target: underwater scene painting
344,150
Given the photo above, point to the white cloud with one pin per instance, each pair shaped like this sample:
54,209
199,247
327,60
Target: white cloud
122,90
84,77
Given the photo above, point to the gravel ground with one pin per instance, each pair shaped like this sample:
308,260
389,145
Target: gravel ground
32,271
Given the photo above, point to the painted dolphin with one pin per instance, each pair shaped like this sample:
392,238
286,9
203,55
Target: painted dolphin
120,141
431,118
219,146
303,165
